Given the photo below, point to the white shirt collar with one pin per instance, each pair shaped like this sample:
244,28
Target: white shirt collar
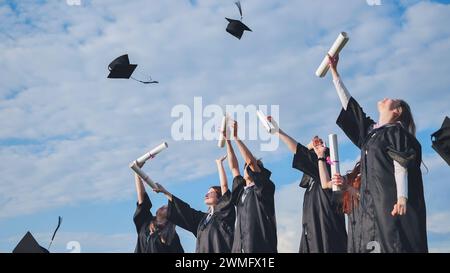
377,125
249,186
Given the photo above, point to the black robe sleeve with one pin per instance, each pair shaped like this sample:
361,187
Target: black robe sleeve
263,185
403,147
226,211
354,122
306,161
224,204
175,245
142,215
182,215
238,187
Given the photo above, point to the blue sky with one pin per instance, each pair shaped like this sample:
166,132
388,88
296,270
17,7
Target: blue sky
68,133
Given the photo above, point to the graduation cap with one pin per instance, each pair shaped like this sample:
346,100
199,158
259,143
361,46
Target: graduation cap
121,68
236,27
28,243
441,140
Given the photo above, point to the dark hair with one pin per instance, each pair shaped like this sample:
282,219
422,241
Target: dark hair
218,190
354,181
258,161
407,120
406,117
166,229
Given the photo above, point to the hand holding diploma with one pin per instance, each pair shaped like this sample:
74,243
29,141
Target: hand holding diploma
138,163
234,128
334,158
333,62
223,132
338,180
268,123
337,46
220,160
134,166
161,189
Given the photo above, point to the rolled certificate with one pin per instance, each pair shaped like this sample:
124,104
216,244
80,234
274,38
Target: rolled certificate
266,123
338,45
223,128
152,153
134,166
334,157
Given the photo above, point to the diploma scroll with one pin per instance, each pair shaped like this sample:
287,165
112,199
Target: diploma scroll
134,166
337,46
265,122
334,157
141,160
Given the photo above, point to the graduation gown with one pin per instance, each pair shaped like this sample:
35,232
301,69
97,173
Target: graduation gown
352,232
213,236
151,243
323,224
256,230
379,147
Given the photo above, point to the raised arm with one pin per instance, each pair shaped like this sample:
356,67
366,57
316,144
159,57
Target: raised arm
352,120
332,63
142,215
342,91
249,159
232,160
180,213
140,190
325,179
289,141
166,193
222,174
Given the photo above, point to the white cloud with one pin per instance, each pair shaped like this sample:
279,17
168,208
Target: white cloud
439,223
436,184
289,208
443,249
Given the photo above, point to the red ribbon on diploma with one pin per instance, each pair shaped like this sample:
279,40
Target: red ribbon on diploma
329,162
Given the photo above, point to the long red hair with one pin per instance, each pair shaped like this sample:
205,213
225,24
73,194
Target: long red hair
354,180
